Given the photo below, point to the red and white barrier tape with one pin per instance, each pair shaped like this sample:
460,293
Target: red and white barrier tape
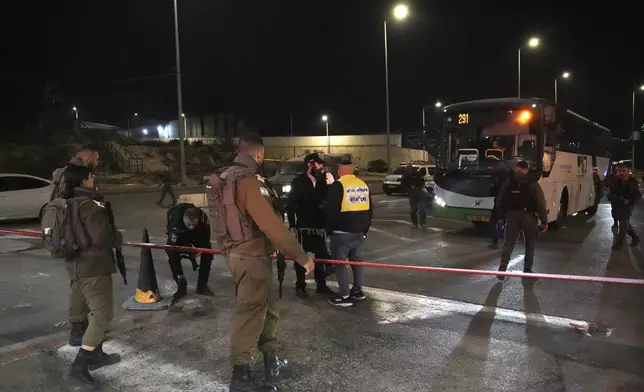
572,278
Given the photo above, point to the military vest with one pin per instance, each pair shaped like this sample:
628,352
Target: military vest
519,197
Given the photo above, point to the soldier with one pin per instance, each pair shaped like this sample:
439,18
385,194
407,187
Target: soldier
88,157
348,218
246,224
166,189
306,218
623,195
188,225
520,201
90,272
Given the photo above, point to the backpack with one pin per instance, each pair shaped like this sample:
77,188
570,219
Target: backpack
519,196
63,233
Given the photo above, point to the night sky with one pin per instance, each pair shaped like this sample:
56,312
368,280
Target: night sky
262,59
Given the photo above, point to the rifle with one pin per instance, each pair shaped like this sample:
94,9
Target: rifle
281,267
118,252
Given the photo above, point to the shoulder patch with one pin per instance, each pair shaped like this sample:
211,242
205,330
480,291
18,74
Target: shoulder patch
98,203
264,191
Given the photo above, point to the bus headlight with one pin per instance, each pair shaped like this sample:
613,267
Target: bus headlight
286,188
439,201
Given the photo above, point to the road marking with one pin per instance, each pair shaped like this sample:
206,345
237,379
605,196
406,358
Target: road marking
146,371
398,237
482,278
392,220
391,307
408,253
391,201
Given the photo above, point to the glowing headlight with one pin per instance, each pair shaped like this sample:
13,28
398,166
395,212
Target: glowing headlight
440,201
286,188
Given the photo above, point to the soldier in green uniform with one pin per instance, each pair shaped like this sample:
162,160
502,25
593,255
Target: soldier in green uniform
248,229
623,195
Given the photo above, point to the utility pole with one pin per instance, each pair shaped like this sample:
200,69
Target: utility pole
182,151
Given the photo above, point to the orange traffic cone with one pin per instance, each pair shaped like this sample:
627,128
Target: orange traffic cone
147,295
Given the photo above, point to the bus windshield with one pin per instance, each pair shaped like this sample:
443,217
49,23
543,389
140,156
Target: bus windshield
482,137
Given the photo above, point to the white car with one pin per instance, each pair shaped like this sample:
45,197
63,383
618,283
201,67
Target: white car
393,184
23,196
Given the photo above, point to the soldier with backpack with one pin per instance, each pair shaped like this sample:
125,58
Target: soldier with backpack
76,228
521,201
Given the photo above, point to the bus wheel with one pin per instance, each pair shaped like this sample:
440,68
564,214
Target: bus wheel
563,211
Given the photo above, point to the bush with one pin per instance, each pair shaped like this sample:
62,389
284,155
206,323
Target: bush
377,166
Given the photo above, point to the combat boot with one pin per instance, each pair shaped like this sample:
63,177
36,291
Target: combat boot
79,369
99,358
76,334
502,268
243,382
182,289
273,368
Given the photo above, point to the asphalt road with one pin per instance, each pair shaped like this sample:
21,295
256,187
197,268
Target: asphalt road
415,332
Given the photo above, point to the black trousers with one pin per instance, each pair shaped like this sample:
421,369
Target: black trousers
168,190
315,244
417,203
199,238
622,215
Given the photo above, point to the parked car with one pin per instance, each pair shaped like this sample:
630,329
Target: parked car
393,182
23,196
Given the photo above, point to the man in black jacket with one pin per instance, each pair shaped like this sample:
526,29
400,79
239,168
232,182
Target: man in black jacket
623,195
305,209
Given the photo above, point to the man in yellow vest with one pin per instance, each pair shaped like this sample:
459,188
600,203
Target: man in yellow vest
348,218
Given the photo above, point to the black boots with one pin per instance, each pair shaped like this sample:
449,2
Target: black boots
243,382
273,368
91,360
203,289
79,368
99,358
76,334
182,288
502,268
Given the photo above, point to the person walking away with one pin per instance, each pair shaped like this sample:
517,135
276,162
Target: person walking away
90,270
418,198
88,157
245,221
520,202
167,189
349,211
623,195
305,209
611,180
188,225
495,221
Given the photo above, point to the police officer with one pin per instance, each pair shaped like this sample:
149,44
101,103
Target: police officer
495,221
246,224
306,218
611,180
415,182
623,195
520,201
90,272
349,211
188,226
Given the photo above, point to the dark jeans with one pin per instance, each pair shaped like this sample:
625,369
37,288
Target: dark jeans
167,190
418,205
517,222
348,247
495,233
622,215
315,244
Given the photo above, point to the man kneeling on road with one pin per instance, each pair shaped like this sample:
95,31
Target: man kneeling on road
348,218
520,201
188,226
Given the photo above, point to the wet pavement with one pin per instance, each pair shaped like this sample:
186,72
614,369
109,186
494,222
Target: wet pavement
416,331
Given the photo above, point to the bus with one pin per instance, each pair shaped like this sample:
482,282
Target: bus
480,140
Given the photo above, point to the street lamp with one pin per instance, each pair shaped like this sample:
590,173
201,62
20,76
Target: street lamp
400,12
75,112
533,43
325,118
182,151
641,88
564,75
437,105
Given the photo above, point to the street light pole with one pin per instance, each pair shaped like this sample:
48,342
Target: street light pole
556,94
325,118
425,133
519,73
633,134
387,98
182,151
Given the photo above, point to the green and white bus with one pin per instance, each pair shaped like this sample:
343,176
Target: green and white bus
567,152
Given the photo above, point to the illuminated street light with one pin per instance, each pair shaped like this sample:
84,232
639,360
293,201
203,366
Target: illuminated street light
183,114
145,131
325,118
533,43
400,12
642,87
438,104
564,75
136,114
75,112
74,109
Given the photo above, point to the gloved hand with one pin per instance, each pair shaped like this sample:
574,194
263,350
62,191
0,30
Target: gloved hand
543,227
